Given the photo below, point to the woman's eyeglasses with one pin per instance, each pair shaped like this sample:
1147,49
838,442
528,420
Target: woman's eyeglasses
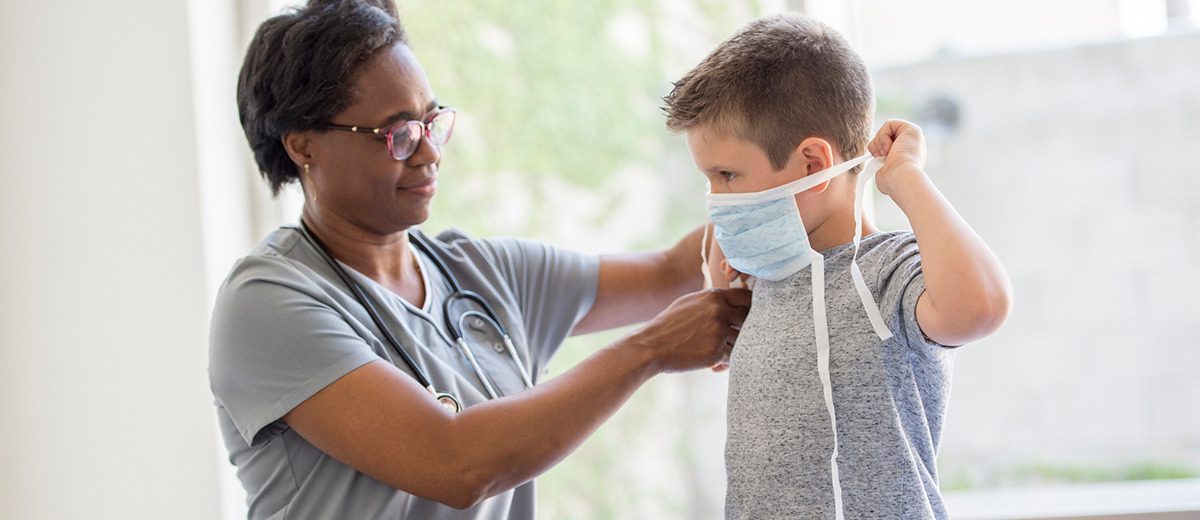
404,138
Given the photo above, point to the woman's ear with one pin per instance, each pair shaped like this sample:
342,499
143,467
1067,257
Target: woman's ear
814,154
296,144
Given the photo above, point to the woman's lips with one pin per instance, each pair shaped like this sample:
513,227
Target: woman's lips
425,188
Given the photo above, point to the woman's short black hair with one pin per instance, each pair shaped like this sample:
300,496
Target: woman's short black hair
298,73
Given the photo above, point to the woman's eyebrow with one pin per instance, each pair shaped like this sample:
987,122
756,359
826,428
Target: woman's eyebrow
409,115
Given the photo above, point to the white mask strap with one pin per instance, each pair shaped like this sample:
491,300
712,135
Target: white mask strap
864,293
704,256
821,325
786,190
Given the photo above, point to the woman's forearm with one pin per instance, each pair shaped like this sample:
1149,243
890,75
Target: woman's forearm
515,439
379,421
634,287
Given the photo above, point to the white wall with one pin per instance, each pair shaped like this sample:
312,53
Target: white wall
104,399
898,33
1078,166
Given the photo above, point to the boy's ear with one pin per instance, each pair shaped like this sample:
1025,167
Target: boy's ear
814,154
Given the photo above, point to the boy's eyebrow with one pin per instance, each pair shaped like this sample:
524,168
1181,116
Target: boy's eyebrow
409,115
718,168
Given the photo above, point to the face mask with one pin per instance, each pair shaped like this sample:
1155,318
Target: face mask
763,235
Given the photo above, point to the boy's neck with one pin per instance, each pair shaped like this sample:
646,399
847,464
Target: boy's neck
838,229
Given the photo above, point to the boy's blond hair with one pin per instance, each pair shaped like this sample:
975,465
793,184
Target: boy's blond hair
778,81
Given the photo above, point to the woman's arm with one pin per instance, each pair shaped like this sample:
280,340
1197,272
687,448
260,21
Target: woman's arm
636,286
379,421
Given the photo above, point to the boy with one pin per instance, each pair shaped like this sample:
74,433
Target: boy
841,375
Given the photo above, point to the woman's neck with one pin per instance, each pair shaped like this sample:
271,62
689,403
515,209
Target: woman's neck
386,259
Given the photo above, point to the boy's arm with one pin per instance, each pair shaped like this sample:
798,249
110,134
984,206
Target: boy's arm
967,293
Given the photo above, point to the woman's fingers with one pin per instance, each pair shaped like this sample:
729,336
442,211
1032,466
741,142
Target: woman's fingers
698,330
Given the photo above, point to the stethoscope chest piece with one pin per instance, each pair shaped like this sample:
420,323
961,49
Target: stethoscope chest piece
449,402
469,318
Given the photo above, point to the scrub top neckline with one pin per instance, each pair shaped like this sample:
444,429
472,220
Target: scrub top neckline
426,308
423,269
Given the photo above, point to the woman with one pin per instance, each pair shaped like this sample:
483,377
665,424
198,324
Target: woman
318,406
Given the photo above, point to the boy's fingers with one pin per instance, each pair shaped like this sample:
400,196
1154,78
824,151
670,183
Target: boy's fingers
730,272
882,142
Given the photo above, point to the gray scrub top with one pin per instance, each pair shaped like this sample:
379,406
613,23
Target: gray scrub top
285,326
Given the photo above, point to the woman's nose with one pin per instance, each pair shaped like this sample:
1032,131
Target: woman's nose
426,153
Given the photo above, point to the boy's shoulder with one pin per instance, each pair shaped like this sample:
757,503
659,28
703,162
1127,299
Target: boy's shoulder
889,260
881,253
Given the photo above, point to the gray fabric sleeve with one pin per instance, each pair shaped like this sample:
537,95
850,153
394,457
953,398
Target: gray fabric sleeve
276,340
902,283
554,288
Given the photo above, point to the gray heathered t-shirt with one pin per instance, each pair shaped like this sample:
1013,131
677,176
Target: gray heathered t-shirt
889,396
285,326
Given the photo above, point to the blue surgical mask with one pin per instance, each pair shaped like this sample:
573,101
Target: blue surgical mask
763,235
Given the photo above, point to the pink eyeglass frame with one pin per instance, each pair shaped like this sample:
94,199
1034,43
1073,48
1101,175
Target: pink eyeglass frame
390,131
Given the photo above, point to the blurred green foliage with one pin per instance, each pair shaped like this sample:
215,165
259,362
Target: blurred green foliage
544,89
557,102
558,91
1060,473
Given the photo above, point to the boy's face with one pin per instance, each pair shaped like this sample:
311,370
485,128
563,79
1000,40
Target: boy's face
736,166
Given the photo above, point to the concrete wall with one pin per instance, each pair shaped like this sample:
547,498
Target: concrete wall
1079,167
105,411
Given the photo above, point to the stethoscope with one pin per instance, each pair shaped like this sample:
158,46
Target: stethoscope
454,327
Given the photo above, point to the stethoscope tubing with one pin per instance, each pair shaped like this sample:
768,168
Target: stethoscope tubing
362,299
455,329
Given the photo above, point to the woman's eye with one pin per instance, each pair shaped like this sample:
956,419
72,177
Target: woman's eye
727,175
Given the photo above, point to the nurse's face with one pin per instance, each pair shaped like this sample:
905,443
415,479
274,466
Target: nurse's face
352,176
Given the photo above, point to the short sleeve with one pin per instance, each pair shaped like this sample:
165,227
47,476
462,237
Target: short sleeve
276,339
554,288
901,284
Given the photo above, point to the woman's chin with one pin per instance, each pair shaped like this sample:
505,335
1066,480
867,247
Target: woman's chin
417,215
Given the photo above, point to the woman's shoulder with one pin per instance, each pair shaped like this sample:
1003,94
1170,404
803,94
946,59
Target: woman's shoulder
460,245
513,258
280,258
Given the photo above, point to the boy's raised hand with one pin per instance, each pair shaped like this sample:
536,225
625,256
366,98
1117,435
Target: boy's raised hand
967,293
904,145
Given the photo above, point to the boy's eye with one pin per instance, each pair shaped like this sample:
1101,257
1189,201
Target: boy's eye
727,175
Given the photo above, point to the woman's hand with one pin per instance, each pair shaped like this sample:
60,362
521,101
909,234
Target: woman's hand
696,331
